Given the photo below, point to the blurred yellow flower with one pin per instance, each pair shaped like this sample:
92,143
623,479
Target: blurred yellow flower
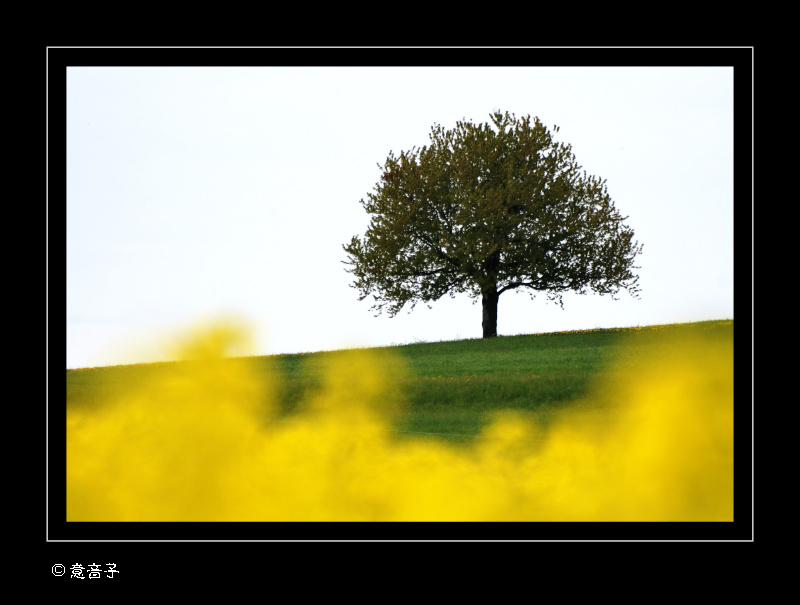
654,442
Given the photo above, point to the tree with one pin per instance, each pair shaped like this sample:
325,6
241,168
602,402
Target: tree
488,208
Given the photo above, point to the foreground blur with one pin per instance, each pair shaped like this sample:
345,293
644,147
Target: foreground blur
197,444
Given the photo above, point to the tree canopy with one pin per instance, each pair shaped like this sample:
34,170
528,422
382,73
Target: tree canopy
487,208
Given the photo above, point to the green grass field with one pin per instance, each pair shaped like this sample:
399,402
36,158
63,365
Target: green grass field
450,389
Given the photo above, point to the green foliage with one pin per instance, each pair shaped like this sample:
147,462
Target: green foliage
488,208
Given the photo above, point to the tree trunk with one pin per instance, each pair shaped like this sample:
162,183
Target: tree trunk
490,299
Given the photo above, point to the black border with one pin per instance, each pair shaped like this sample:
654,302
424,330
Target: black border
59,533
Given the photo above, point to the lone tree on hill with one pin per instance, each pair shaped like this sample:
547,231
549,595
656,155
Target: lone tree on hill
485,209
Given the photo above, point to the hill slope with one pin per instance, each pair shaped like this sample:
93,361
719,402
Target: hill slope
450,389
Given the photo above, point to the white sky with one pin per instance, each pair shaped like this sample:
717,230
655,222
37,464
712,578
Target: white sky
196,192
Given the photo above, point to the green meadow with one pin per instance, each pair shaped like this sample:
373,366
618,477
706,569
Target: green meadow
451,389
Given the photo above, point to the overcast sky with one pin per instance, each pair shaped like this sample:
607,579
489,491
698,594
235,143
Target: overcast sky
198,192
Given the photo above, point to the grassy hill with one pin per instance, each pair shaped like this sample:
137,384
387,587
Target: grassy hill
450,389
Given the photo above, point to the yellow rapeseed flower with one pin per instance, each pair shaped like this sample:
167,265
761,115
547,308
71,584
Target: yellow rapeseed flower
653,443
